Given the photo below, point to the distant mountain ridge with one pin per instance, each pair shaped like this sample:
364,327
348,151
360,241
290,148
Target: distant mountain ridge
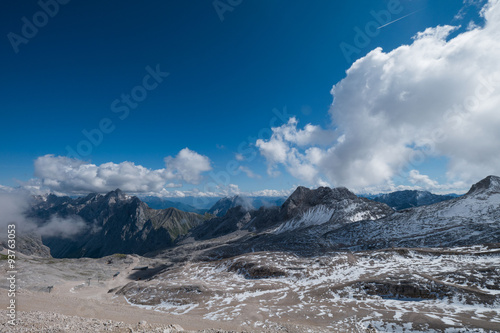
410,198
221,207
162,203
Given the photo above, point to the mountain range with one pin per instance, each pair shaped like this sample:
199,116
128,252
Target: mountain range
314,222
307,222
115,223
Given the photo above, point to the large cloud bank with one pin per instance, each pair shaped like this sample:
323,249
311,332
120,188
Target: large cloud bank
66,175
435,97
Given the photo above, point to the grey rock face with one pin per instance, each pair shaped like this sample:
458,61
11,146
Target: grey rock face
343,205
29,244
490,184
116,223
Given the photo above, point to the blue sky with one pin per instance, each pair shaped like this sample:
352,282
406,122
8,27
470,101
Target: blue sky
225,79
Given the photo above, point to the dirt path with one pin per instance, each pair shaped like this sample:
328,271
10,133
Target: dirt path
123,277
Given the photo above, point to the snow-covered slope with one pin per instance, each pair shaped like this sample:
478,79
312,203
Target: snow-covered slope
313,222
394,290
471,219
328,207
313,216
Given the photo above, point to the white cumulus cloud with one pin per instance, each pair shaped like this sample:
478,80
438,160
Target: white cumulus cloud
66,175
285,145
188,165
437,96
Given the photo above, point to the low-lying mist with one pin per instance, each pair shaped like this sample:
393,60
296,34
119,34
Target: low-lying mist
14,207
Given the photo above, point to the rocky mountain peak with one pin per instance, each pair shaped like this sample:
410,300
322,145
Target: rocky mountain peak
341,193
117,194
90,197
221,207
489,184
304,198
320,195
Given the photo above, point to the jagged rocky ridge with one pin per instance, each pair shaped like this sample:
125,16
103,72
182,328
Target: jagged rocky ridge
295,225
309,222
313,222
115,223
303,209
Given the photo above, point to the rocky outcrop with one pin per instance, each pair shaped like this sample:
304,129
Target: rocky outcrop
488,185
327,207
29,244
